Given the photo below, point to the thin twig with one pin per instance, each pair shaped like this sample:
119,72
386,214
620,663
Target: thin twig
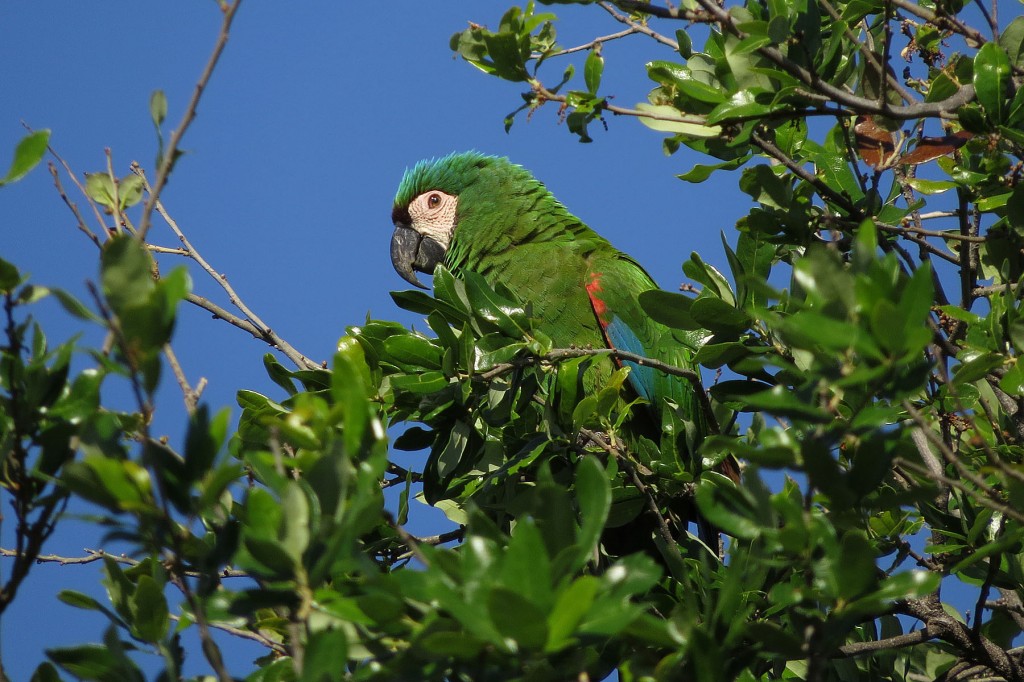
883,74
637,27
949,455
978,649
652,506
911,229
559,354
171,152
115,188
588,45
986,587
81,188
190,394
176,571
954,483
262,330
407,538
896,642
978,292
167,249
276,647
824,189
92,555
942,21
946,108
71,205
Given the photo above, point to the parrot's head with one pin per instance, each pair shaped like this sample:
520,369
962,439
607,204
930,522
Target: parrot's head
449,207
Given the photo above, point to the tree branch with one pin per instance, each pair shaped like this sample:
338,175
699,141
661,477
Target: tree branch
897,642
559,354
636,27
259,329
942,109
171,152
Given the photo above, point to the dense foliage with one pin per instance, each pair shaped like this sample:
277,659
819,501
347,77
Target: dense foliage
868,339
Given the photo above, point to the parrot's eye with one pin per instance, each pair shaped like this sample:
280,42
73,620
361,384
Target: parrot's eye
433,200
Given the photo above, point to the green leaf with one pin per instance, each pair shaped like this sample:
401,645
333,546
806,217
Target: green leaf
665,119
855,568
350,383
930,186
1013,381
669,308
685,44
427,382
766,187
718,316
709,276
594,498
270,556
592,70
992,80
326,656
45,673
909,585
450,456
413,351
517,618
570,608
10,278
148,605
27,156
728,509
782,402
129,190
975,366
209,437
75,307
126,273
742,106
100,188
278,373
96,662
295,516
701,173
158,108
1011,39
84,601
506,58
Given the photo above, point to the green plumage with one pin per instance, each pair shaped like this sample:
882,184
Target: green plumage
511,230
486,215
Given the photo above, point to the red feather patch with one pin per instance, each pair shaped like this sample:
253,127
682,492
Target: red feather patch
594,286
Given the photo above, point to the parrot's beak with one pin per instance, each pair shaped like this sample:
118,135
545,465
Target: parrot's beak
411,251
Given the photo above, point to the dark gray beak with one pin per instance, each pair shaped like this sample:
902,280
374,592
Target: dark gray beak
411,251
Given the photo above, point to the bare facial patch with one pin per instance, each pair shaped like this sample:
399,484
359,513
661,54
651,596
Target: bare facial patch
433,215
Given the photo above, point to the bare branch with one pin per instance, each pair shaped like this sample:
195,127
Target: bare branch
980,650
897,642
277,647
823,188
637,27
171,152
74,208
624,461
589,45
191,395
557,355
92,555
260,329
943,109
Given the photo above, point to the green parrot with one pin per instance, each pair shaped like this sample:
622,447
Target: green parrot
484,214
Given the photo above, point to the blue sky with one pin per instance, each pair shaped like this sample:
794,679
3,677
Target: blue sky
300,141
